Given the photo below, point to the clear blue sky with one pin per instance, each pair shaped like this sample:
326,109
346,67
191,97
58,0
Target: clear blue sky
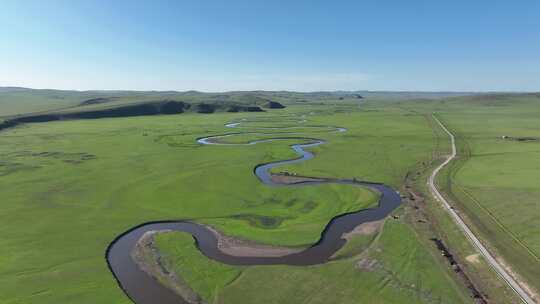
295,45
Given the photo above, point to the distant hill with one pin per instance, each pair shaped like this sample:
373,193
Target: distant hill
24,101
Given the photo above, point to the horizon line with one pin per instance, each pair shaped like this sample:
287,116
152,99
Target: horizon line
291,91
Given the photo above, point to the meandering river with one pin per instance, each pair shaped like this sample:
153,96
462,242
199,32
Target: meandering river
141,288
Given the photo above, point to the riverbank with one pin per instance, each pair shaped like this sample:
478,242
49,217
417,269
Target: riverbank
148,259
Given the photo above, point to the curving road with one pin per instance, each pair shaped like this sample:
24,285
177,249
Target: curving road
495,265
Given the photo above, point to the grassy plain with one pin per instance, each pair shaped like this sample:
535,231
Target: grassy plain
386,273
494,181
382,144
69,187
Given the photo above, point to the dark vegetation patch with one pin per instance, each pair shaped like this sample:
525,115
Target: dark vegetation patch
7,124
206,108
445,252
72,158
36,118
308,207
239,108
525,138
521,139
7,167
155,107
150,108
291,202
67,157
18,161
261,221
273,105
174,107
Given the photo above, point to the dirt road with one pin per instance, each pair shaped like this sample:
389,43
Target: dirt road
501,271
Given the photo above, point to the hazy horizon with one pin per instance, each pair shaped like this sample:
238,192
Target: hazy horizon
257,90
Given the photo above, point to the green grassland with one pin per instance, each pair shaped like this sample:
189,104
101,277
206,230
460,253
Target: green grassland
381,145
430,220
70,187
494,180
386,273
292,216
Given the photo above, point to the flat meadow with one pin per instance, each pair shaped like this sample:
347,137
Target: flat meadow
70,187
496,178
